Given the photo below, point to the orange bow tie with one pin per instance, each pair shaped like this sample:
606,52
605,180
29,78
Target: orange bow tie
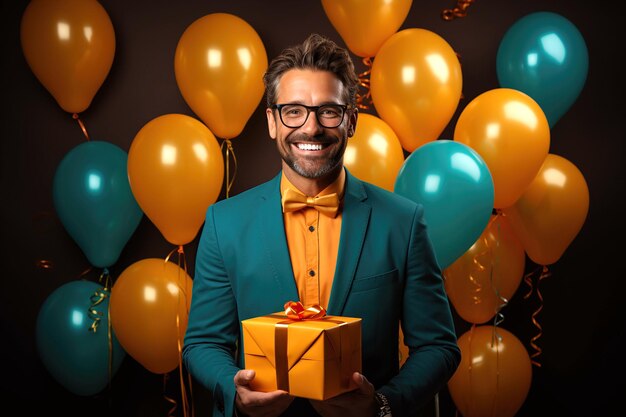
325,204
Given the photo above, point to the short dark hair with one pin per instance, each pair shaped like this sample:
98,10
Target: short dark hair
317,53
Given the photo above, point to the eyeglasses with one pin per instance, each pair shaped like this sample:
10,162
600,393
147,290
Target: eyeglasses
296,115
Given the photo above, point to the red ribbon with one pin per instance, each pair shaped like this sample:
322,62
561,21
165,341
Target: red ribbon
296,311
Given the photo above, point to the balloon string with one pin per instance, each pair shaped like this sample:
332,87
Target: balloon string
110,347
182,265
229,153
499,317
97,298
169,399
460,10
545,273
82,126
496,339
479,267
364,81
470,364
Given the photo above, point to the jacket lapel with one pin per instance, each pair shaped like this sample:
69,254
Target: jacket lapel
356,215
274,245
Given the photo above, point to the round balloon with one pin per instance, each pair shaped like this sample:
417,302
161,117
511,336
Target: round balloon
485,277
454,185
219,65
69,45
176,171
374,153
551,211
365,25
510,132
93,200
150,303
544,55
80,359
494,376
415,84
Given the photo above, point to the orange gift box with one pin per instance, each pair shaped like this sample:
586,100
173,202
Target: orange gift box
311,358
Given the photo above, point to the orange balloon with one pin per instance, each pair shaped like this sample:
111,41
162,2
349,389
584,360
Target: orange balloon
487,275
69,45
149,308
175,171
494,376
219,65
365,25
511,133
551,211
374,153
415,84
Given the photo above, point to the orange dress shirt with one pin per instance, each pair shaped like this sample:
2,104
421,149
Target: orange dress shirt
313,240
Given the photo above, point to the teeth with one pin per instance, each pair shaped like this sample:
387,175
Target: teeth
309,147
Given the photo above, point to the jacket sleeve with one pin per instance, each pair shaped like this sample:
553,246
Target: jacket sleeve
427,326
210,344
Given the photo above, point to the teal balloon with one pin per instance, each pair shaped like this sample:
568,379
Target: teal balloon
545,56
94,201
75,356
455,187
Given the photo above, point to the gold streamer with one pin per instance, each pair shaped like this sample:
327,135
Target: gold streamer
82,126
364,82
460,10
229,153
545,273
97,298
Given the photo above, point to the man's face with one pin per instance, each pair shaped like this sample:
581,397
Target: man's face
311,151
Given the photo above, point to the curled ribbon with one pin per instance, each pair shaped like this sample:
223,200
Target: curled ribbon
363,101
460,10
295,310
545,273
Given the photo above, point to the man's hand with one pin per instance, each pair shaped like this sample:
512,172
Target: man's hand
360,402
255,403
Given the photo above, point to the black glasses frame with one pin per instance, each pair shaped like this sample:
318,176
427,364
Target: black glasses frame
309,109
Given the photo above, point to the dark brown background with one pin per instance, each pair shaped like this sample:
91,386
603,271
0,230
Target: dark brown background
583,329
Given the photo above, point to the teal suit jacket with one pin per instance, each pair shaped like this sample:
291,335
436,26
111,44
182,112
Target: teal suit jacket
386,274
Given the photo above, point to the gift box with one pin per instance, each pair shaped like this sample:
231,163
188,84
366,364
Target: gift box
311,358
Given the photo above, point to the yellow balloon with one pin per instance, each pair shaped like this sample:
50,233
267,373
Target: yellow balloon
175,171
511,133
551,211
219,65
487,275
415,84
149,309
69,45
365,25
374,153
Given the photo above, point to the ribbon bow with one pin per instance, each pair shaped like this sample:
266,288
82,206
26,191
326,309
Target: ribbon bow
325,204
296,311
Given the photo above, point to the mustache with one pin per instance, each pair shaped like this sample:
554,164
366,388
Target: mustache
302,137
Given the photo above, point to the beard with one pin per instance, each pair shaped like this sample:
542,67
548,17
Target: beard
313,167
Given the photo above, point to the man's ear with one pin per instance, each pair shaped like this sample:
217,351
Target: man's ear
354,116
271,123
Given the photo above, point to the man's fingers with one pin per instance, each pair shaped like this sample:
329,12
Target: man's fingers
362,383
244,376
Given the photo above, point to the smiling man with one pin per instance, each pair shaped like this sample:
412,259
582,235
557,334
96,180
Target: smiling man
317,234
